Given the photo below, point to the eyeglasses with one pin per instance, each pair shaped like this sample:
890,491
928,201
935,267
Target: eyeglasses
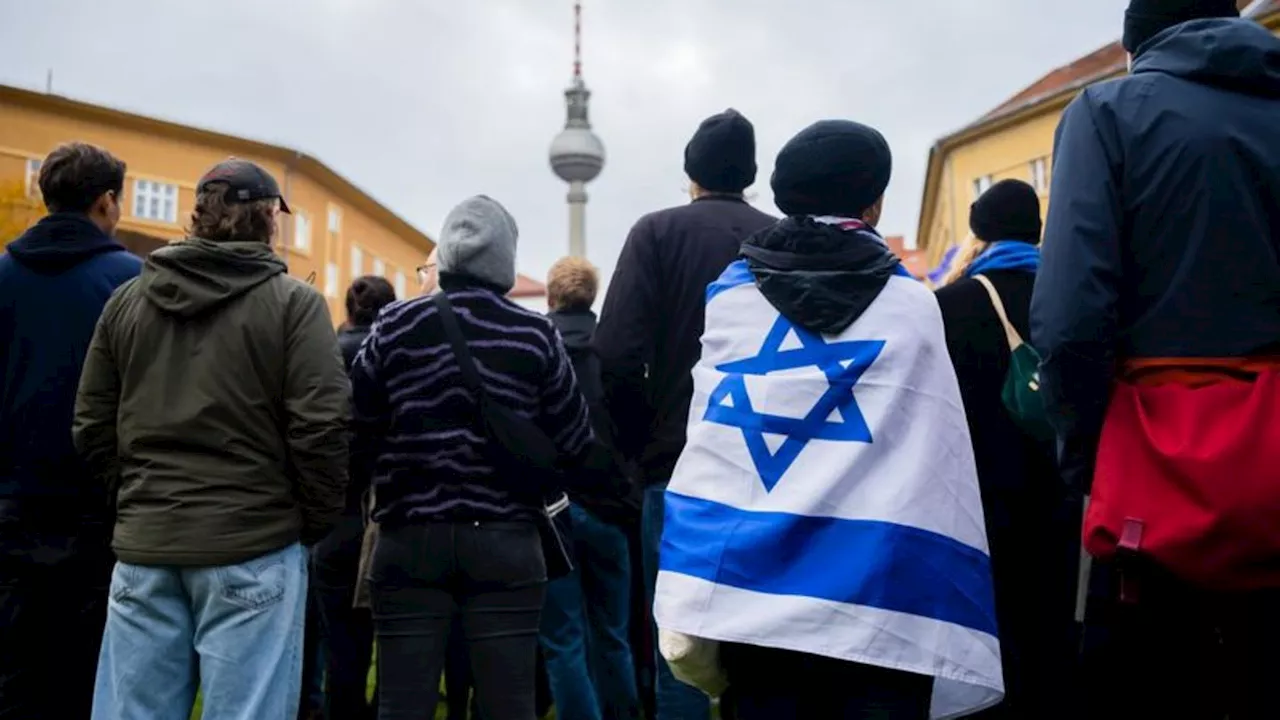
424,270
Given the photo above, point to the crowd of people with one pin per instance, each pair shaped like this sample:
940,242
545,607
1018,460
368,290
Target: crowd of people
779,475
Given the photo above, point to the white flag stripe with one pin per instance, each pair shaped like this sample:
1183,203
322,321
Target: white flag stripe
827,500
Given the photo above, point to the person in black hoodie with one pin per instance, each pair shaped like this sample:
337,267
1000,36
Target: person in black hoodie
1161,266
1030,525
584,634
347,630
650,327
55,524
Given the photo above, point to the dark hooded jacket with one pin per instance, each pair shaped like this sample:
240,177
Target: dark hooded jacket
1163,238
819,276
214,400
650,334
350,338
54,280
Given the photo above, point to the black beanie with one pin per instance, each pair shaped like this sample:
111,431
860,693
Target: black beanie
833,167
1009,210
1147,18
721,157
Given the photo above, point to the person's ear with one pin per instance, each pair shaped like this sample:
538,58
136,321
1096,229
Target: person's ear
871,215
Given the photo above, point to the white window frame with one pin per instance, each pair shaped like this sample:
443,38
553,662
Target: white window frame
155,200
379,267
357,262
335,219
1040,175
400,285
301,230
981,184
331,277
32,182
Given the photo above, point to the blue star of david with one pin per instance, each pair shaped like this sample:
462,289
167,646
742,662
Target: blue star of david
842,362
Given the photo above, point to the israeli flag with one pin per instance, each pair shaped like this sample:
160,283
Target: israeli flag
827,500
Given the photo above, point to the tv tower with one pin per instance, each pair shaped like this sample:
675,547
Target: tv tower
577,155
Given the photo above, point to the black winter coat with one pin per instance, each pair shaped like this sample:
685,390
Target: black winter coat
1032,529
650,333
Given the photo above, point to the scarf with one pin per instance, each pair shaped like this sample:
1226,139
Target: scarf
1005,255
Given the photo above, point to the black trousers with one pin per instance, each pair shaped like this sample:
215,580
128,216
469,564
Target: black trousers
53,608
348,631
491,577
1179,652
770,684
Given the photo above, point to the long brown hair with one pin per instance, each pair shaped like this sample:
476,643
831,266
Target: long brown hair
217,220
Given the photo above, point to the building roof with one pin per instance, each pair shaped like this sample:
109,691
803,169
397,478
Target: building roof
293,159
1057,88
1108,60
527,287
1100,63
913,260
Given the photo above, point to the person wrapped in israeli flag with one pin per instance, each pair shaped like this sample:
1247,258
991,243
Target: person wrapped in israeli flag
823,536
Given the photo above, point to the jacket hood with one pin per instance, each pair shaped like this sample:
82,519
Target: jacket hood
479,240
819,276
194,276
577,327
60,242
1236,55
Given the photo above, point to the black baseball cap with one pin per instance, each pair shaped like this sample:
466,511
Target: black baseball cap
245,181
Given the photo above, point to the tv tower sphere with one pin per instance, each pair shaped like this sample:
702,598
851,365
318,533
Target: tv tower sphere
577,154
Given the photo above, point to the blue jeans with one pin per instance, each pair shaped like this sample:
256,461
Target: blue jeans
584,627
674,700
235,631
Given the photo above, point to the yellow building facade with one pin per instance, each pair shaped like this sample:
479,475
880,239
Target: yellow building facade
1016,141
336,233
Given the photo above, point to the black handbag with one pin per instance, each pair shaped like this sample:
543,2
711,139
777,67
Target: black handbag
525,457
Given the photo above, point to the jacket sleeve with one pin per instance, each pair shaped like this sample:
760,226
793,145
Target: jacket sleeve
93,429
624,338
317,398
1074,305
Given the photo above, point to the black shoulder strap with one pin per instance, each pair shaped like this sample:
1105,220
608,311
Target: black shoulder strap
470,375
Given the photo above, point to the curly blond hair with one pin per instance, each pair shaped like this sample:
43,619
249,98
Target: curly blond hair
572,284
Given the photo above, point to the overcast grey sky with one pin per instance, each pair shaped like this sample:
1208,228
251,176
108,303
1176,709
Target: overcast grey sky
424,102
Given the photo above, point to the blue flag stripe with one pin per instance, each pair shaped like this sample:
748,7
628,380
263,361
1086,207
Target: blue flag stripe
859,562
736,274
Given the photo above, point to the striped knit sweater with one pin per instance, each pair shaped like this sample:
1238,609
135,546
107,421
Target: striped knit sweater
414,431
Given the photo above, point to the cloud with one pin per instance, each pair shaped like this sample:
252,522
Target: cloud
424,103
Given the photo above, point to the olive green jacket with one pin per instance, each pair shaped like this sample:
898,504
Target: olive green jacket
214,405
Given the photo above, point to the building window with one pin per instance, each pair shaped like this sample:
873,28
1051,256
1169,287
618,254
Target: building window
331,279
379,267
981,185
1039,176
155,201
33,177
400,289
357,262
301,230
335,219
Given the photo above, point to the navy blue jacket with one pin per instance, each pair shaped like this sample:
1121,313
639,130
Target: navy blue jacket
1163,235
54,281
